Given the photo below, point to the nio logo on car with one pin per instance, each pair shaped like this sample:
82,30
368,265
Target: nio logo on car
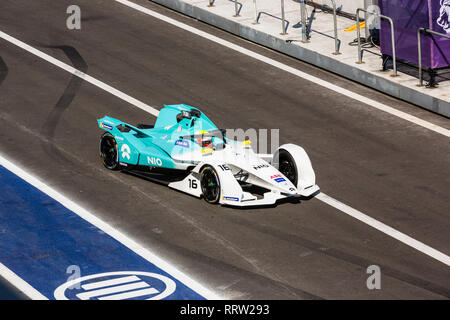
105,126
261,166
182,143
119,285
153,160
125,149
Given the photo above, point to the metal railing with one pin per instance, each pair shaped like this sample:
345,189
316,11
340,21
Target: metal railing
336,40
303,21
391,22
255,13
283,19
237,6
419,48
305,31
284,22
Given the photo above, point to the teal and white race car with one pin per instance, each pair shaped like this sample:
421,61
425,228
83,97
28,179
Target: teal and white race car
187,152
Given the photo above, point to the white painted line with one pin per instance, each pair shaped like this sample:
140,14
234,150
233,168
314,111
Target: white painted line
279,65
131,294
20,284
116,289
94,220
107,283
78,73
385,229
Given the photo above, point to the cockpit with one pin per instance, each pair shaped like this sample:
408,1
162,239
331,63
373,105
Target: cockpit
214,139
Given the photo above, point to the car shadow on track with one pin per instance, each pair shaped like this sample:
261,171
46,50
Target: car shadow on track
49,127
3,71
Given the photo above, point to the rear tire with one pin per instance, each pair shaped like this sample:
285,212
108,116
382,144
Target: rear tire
210,184
109,151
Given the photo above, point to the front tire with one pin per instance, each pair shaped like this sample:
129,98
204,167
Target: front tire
109,151
210,184
287,166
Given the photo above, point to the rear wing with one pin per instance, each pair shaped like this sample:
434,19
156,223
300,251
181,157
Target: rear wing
110,124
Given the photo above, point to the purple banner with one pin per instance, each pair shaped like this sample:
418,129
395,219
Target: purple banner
410,15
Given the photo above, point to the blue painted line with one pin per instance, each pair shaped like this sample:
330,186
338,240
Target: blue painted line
40,239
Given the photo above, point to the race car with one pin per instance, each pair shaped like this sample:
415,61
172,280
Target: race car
187,152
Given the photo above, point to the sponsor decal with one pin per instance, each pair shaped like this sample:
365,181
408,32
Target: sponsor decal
125,149
182,143
260,166
119,285
278,178
154,160
105,126
230,198
207,150
118,138
444,16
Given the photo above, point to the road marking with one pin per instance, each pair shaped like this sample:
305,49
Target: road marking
107,283
284,67
20,284
115,289
385,229
80,74
131,294
100,224
335,203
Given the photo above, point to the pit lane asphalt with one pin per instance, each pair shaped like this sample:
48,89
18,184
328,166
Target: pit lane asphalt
388,168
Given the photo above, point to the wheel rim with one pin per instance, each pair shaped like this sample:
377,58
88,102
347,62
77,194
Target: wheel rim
108,150
287,168
210,185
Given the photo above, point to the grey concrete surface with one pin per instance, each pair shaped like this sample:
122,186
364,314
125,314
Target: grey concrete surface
383,166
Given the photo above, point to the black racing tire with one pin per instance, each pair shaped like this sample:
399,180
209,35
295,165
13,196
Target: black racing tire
287,166
109,152
210,184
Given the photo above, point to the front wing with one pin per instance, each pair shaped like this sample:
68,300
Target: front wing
232,193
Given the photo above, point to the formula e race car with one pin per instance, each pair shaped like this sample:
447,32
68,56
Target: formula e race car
187,152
